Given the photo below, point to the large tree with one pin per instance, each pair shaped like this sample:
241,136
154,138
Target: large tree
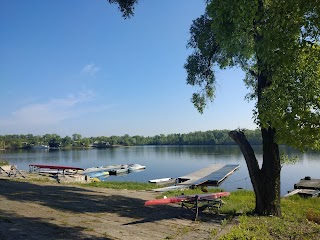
276,43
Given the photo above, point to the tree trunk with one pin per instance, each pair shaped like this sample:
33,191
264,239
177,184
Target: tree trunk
270,173
265,181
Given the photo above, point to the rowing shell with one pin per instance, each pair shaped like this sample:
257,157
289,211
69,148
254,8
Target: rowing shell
186,198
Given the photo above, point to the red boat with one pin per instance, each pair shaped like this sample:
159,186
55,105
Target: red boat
182,198
43,167
195,203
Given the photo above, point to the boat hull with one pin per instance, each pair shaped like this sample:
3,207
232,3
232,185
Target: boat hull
185,198
160,180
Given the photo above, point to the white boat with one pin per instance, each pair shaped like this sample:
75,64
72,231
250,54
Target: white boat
112,169
105,168
160,180
40,147
135,167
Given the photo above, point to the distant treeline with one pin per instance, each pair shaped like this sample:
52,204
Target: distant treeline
213,137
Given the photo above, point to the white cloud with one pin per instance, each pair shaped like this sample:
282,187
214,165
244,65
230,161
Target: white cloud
90,69
48,113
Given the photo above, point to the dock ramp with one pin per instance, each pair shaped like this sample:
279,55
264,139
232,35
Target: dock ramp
212,175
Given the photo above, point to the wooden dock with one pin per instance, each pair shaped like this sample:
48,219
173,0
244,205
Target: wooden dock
307,187
308,183
212,175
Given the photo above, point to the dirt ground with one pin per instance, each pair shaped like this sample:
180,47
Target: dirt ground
51,210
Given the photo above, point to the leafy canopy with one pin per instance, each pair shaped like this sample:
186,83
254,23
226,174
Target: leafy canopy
279,39
125,6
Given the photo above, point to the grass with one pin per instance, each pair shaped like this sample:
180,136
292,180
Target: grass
300,217
3,163
44,180
121,185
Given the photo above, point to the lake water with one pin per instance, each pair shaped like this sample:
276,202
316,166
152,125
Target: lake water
169,161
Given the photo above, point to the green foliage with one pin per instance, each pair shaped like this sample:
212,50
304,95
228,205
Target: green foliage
199,64
55,141
277,44
286,160
125,6
232,25
212,137
3,162
293,99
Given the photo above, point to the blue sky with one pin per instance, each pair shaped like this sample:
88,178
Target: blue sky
77,66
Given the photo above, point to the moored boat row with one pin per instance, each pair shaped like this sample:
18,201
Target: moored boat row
112,170
71,173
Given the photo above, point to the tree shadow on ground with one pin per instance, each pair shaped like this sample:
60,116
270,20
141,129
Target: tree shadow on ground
17,227
73,200
159,212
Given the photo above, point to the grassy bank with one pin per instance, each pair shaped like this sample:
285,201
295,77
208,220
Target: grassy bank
300,217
